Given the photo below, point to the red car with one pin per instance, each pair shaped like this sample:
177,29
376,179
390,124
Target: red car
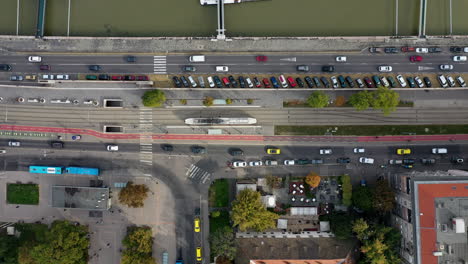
415,58
291,82
262,58
266,83
142,78
408,49
44,67
117,77
369,83
226,82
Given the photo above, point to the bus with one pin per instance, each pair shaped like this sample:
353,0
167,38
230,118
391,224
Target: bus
45,169
82,171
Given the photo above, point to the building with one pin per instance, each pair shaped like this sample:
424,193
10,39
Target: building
84,198
432,212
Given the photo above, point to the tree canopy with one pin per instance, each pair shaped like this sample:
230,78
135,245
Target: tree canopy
362,198
138,246
222,243
361,100
312,179
8,249
386,100
133,195
248,211
153,98
383,197
318,99
340,224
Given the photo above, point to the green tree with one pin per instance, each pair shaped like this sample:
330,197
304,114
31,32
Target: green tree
248,211
374,251
318,99
386,100
361,100
362,198
138,246
65,244
8,249
153,98
208,101
222,243
347,189
340,224
361,229
133,195
383,197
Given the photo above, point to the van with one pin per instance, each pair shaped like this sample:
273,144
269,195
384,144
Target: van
442,81
199,254
192,81
283,81
197,58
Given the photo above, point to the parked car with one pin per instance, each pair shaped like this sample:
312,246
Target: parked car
266,83
255,163
395,162
226,82
210,81
325,82
233,81
419,82
5,67
427,161
184,81
241,82
450,81
359,150
167,147
439,151
435,50
142,78
30,77
291,82
116,77
411,82
239,164
217,81
350,81
249,82
309,82
274,82
316,161
428,82
302,162
317,82
391,50
416,58
374,50
192,81
360,83
465,49
63,77
408,161
91,77
334,82
16,78
455,49
289,162
369,83
198,149
376,80
408,49
407,166
257,83
342,81
422,50
446,67
129,77
299,82
459,58
385,68
201,80
222,68
365,160
340,59
48,76
271,162
302,68
401,80
282,81
456,160
442,81
461,81
328,68
189,68
392,82
384,81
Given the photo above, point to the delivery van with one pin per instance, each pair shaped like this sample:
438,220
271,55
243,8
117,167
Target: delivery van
197,58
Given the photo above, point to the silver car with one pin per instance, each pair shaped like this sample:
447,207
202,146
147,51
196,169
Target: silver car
334,82
419,82
446,67
401,80
385,68
451,81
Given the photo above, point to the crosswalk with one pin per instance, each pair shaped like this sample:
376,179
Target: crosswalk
160,64
146,139
197,174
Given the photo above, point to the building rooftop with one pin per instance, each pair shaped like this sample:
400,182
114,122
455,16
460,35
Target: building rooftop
87,198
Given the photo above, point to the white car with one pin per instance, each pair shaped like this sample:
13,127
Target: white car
255,163
341,59
62,77
439,151
451,81
446,67
384,81
385,68
334,82
461,81
459,58
465,49
47,76
359,150
112,148
442,81
289,162
325,151
34,58
249,82
239,164
401,80
222,68
422,50
366,160
210,81
2,151
419,82
14,143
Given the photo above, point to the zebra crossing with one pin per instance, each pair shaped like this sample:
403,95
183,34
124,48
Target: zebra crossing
146,139
160,64
197,174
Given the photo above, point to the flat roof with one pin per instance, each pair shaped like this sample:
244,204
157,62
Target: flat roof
85,198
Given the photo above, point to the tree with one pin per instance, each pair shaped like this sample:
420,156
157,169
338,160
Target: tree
65,243
362,198
8,249
229,101
222,243
318,99
153,98
215,214
361,229
347,189
386,100
374,251
340,225
208,101
248,211
362,100
133,195
274,182
138,246
384,197
313,179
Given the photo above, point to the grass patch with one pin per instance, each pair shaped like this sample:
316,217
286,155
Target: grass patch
22,193
372,130
219,193
217,223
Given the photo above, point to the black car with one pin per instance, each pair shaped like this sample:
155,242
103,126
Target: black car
457,160
5,67
236,152
184,81
309,82
167,147
177,82
342,81
434,50
408,161
427,81
325,82
56,144
257,83
274,82
241,82
428,161
299,82
343,160
456,49
232,81
103,77
94,67
130,58
217,81
302,161
317,82
328,68
350,81
391,50
411,82
189,68
198,149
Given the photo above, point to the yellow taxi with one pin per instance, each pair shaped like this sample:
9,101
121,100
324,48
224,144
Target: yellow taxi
196,224
199,255
403,151
273,151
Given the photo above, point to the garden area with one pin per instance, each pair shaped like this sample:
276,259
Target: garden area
22,193
219,193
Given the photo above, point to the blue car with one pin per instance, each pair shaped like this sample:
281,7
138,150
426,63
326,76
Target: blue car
274,82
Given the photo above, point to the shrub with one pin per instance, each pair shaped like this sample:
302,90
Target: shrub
183,101
250,101
153,98
229,101
318,99
208,101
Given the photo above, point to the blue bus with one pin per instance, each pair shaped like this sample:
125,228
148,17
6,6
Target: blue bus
82,171
45,169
